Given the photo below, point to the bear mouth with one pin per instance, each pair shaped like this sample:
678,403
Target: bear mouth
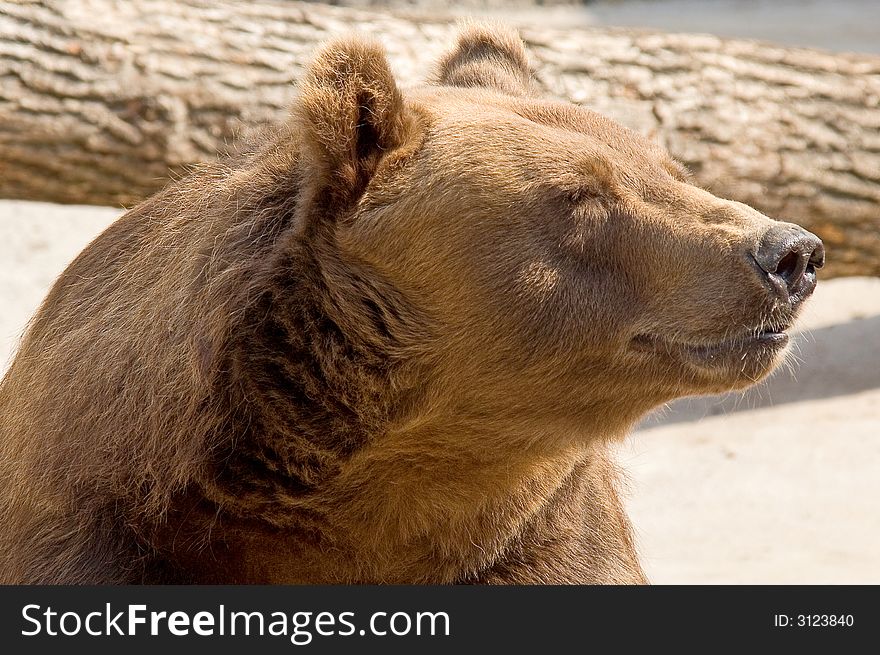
755,345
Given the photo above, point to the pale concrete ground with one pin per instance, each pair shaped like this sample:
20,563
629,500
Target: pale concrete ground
37,241
778,485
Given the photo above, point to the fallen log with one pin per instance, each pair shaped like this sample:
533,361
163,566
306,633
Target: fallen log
101,101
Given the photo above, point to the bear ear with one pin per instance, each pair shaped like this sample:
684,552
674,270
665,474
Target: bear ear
488,56
350,114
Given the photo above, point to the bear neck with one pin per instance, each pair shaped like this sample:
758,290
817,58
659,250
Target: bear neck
347,472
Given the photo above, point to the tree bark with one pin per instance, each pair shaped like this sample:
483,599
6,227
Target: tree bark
102,100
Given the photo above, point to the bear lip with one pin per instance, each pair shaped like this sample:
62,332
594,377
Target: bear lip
760,342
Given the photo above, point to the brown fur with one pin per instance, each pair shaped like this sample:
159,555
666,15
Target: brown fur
387,343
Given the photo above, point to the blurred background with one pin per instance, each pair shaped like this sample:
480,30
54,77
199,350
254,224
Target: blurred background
776,104
843,26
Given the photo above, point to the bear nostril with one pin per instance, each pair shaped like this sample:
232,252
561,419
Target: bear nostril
788,266
817,258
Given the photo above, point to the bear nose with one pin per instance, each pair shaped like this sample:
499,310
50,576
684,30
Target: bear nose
790,255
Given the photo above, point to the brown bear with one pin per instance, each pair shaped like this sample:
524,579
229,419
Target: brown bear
388,342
